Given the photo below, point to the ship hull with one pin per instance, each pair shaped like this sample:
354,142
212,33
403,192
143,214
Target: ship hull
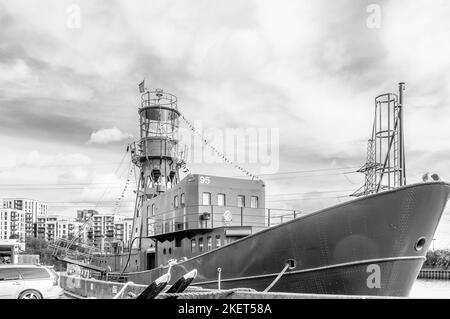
368,246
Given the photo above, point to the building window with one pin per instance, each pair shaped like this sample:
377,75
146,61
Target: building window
175,201
182,200
220,199
218,241
153,210
254,202
206,198
241,201
193,246
200,244
209,243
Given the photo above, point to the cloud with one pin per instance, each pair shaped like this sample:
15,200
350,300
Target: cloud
109,135
36,159
75,174
105,193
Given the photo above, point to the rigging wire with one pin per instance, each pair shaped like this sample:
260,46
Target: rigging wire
57,186
215,150
85,226
122,195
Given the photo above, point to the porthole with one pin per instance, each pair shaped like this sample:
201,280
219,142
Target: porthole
291,262
420,243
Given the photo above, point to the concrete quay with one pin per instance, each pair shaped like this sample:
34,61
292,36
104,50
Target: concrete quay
81,288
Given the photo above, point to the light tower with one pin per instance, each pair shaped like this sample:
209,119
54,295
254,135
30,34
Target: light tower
157,154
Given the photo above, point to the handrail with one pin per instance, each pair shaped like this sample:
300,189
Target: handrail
179,219
297,211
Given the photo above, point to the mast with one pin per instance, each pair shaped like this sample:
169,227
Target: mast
385,164
401,88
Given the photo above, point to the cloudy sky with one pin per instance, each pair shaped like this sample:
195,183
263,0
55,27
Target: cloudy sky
309,69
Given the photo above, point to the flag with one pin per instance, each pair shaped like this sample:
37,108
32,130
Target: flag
142,87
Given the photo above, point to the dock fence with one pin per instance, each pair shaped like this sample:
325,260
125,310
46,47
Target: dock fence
438,274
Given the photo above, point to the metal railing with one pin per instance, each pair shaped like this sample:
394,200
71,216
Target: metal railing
65,248
212,216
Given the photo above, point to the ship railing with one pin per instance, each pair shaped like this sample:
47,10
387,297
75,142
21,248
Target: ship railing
212,216
65,248
176,150
158,98
276,216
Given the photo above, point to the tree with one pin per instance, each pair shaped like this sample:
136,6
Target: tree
438,259
39,246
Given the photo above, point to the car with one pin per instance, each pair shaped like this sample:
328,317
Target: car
29,282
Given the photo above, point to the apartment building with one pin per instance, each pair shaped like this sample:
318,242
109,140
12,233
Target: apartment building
35,207
104,228
123,230
52,227
13,224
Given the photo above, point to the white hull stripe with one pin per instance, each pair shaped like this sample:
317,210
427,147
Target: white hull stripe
367,261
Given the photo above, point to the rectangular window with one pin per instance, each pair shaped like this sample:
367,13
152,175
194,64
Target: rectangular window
182,200
175,201
193,246
33,273
150,227
241,201
220,199
218,241
8,274
200,244
153,210
206,198
209,243
254,202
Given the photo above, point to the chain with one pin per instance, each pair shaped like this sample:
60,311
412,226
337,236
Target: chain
215,150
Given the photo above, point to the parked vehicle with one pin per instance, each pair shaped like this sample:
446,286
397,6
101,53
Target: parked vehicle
29,282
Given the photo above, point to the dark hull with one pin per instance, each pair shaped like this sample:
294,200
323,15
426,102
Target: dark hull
333,248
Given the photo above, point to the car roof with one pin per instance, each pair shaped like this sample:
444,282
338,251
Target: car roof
19,265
